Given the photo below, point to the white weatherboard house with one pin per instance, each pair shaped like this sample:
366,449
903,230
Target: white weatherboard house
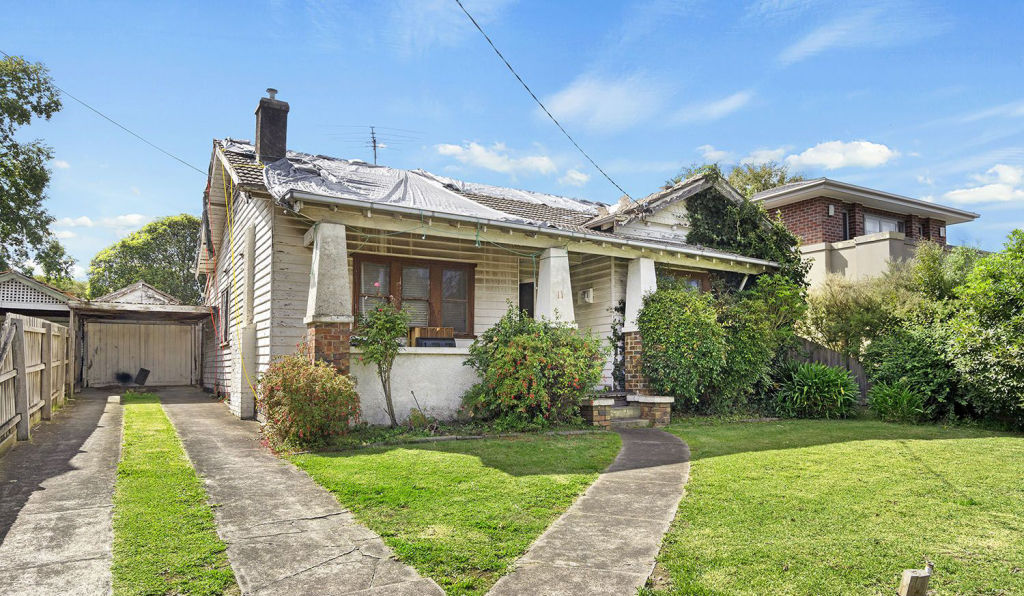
295,245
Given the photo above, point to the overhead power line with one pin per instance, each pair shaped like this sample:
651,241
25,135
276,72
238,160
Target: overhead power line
539,102
124,128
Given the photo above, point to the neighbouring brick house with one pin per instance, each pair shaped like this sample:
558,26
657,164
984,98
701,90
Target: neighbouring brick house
854,231
296,245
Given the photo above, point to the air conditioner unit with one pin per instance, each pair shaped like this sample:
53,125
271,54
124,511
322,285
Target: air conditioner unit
587,296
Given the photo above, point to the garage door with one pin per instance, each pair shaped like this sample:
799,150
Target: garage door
167,350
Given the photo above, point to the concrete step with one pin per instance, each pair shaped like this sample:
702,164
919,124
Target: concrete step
625,412
630,423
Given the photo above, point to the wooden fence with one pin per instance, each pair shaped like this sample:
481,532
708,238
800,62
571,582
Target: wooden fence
34,373
809,351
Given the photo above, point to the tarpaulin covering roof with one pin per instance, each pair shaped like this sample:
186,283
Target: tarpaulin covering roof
418,189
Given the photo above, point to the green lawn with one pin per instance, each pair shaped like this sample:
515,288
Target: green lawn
842,507
462,511
164,537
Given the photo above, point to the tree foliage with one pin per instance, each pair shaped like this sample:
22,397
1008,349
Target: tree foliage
27,92
379,335
751,179
161,254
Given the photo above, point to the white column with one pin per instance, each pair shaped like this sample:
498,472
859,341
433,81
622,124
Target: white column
554,290
330,291
640,281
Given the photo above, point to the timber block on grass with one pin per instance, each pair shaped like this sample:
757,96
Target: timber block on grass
656,408
598,411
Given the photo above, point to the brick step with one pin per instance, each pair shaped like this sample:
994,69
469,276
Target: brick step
630,423
625,412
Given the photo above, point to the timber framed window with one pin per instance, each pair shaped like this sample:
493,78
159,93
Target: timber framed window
434,293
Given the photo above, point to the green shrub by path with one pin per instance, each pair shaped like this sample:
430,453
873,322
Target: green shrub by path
305,403
842,507
532,373
461,512
165,540
683,342
898,402
813,390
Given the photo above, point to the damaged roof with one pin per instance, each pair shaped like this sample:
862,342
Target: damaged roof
307,177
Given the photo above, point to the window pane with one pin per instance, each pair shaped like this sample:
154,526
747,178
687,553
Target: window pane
453,314
368,303
455,284
375,279
415,282
872,225
419,312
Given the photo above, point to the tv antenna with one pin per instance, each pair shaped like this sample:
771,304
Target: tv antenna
373,143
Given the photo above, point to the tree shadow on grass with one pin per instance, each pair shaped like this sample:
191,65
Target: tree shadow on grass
539,455
709,438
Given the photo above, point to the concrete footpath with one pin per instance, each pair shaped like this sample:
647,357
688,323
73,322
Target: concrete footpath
285,533
606,543
55,502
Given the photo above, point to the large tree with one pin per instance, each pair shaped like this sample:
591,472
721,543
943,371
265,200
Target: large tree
161,254
27,92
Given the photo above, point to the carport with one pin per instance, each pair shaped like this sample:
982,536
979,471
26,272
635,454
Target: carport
113,341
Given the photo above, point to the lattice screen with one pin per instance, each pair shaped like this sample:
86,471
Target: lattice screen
13,290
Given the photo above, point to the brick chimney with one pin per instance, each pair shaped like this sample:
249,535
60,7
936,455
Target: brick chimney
271,128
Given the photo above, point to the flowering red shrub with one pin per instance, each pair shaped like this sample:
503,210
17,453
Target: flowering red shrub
305,403
533,373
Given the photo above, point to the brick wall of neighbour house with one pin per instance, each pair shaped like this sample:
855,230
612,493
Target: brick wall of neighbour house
636,382
811,222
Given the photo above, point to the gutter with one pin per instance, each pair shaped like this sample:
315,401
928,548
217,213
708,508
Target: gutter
293,195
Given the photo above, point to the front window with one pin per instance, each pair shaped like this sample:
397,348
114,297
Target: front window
874,224
434,293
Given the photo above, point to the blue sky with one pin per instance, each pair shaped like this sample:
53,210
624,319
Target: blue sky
919,98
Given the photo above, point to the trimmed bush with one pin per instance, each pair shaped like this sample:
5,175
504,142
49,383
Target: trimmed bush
812,390
912,355
897,402
684,345
305,403
533,373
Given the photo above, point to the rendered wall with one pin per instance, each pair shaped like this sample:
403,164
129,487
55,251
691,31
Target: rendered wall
437,375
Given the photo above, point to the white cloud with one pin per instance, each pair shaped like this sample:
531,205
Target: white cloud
607,105
709,153
760,156
63,234
926,179
60,164
877,26
833,155
574,177
999,184
127,220
497,158
713,110
988,193
420,24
